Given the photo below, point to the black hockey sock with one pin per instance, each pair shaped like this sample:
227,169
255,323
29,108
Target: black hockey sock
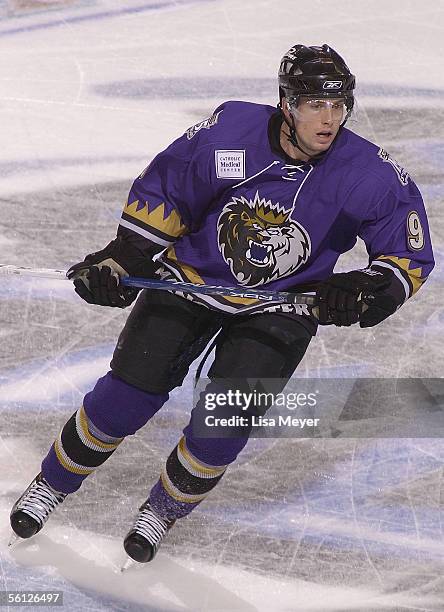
77,452
183,484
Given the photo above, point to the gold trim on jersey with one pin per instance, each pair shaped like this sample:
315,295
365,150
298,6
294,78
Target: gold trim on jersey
191,275
413,275
156,217
238,300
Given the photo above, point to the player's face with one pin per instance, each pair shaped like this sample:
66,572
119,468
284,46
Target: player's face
317,122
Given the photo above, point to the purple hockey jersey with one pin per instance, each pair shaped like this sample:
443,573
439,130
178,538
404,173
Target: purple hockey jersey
230,209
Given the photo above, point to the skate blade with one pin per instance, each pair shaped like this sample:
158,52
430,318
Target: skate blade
13,539
128,563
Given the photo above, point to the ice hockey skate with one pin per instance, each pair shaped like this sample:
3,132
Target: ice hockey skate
144,538
31,511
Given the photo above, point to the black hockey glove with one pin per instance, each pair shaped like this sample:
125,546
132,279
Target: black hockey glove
346,298
381,307
97,278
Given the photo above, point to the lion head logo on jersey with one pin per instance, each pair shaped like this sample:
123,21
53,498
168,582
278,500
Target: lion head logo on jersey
259,241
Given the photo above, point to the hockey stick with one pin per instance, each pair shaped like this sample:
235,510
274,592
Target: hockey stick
176,287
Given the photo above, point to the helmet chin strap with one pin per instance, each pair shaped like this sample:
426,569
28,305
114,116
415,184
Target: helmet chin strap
292,138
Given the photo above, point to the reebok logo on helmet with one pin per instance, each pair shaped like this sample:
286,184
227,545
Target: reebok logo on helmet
332,85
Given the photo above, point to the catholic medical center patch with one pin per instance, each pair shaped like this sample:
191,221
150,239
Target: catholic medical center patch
230,164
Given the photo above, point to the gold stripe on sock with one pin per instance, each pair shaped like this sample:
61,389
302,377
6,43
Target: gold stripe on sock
66,462
198,468
102,446
178,495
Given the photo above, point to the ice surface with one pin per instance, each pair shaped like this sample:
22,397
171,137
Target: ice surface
90,92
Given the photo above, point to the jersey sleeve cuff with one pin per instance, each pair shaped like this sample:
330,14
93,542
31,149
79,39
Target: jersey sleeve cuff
406,278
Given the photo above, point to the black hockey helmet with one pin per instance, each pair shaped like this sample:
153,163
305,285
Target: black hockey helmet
315,71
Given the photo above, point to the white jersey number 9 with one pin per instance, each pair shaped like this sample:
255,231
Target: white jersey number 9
415,233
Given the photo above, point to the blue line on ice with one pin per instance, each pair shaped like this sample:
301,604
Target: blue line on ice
13,287
99,16
14,167
227,87
54,381
351,502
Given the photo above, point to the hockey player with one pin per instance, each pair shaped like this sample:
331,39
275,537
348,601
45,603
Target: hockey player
251,196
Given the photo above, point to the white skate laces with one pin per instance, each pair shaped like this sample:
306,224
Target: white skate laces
31,511
146,534
150,526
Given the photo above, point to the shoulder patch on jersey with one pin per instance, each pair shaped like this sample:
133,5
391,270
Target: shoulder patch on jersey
230,163
206,124
401,172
